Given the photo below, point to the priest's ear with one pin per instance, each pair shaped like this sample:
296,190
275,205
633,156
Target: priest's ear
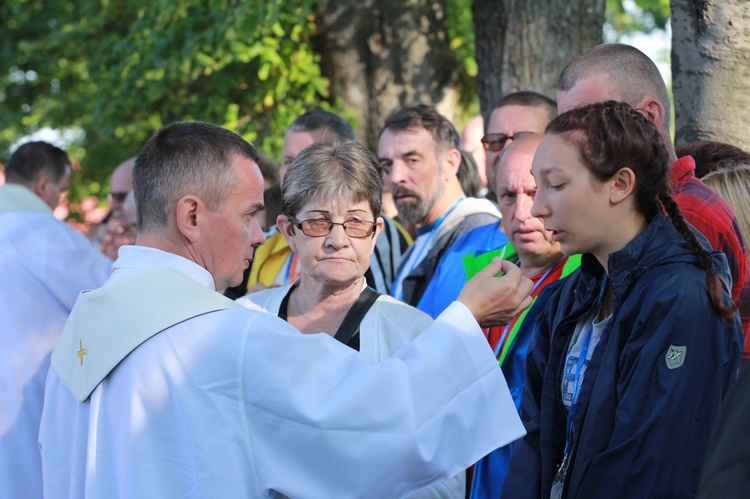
41,185
187,214
47,190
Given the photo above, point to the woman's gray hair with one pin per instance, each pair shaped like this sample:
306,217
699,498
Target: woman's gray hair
185,158
342,170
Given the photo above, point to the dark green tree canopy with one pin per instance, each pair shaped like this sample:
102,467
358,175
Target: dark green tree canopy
116,70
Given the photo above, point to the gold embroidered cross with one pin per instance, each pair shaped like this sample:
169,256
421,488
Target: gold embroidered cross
82,351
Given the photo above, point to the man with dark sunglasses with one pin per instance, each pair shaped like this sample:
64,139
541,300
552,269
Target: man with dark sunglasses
120,184
515,115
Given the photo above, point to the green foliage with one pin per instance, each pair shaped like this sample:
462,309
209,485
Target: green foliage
461,34
120,69
627,17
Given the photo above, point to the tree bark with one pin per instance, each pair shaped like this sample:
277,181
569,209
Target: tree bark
524,44
710,71
382,55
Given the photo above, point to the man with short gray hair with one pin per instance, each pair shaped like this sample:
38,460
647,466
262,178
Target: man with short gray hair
515,115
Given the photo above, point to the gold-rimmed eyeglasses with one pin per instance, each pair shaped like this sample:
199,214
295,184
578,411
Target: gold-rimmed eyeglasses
321,227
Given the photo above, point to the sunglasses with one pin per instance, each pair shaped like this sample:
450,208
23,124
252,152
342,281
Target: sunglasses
117,196
495,142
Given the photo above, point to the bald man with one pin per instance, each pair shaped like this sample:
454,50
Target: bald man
120,183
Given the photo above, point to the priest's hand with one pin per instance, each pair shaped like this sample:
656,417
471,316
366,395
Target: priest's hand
496,300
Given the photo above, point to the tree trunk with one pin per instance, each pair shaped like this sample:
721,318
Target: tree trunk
710,70
524,44
381,55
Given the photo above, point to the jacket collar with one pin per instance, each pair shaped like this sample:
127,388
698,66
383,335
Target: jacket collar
683,167
467,206
658,243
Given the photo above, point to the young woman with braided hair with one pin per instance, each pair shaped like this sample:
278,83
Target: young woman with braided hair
628,365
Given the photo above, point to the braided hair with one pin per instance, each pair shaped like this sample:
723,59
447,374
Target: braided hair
612,135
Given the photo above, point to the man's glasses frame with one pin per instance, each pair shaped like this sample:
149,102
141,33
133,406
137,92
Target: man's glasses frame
117,196
321,227
495,142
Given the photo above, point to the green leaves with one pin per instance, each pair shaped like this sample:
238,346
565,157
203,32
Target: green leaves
636,16
119,69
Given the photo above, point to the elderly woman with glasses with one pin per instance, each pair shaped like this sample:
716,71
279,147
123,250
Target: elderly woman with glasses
331,198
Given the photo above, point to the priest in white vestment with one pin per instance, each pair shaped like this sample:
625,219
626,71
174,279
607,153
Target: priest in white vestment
44,265
160,387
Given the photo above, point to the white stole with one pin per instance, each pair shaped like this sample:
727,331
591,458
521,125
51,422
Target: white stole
107,324
16,197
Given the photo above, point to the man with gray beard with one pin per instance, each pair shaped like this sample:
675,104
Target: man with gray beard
417,150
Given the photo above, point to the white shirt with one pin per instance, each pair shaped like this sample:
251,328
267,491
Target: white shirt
44,265
237,403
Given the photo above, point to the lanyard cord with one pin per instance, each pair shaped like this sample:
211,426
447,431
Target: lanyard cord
577,381
418,258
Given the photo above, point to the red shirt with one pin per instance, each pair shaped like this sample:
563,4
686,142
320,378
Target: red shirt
712,217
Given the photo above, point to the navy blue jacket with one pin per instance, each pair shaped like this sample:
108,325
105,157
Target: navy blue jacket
640,427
